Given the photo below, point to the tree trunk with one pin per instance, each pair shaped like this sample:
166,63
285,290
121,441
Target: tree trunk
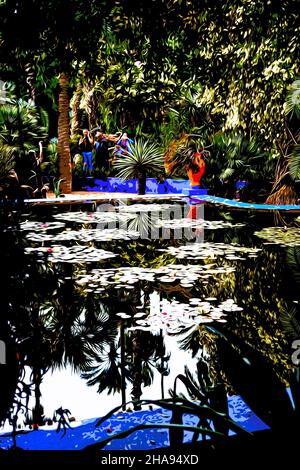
91,106
162,366
162,385
63,146
141,184
136,391
30,80
283,190
75,110
38,411
123,366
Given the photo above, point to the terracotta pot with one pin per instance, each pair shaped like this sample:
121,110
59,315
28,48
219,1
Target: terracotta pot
195,178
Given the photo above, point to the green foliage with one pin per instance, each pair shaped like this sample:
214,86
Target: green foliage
6,167
57,186
145,159
294,163
22,126
233,157
50,164
290,322
292,104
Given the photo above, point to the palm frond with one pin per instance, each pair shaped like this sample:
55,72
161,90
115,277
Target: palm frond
227,173
293,261
294,163
144,157
290,322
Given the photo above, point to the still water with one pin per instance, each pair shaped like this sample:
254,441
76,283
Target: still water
115,303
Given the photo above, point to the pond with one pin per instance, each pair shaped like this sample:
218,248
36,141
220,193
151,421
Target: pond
114,304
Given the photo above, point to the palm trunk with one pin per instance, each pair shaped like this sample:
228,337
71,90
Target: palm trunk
283,190
123,377
141,184
162,384
75,110
37,412
63,146
162,367
91,106
136,391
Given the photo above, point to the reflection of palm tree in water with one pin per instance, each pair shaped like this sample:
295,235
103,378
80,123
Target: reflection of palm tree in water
62,417
131,356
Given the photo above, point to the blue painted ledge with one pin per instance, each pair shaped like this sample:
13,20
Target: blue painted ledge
247,205
169,186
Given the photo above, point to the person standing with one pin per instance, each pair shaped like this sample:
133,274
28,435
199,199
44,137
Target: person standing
86,148
102,154
124,143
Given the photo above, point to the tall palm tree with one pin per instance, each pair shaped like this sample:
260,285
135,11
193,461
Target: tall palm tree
63,146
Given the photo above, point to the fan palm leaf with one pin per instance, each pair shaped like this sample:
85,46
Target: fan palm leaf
294,163
290,322
293,261
144,156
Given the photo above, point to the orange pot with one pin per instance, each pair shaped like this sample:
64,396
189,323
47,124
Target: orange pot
195,177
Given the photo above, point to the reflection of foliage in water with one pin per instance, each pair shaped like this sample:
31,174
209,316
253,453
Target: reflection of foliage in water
283,236
255,288
65,323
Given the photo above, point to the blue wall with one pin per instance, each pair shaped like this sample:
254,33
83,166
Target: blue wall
130,186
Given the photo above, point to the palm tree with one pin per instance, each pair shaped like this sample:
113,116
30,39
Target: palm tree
62,326
109,368
287,173
75,103
234,157
22,126
127,357
6,171
144,159
64,134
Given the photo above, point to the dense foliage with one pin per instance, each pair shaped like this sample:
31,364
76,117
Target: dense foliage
217,68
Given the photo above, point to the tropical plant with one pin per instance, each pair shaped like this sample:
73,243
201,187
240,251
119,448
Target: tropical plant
110,371
292,103
63,144
7,176
285,188
22,126
57,187
50,163
233,157
144,159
